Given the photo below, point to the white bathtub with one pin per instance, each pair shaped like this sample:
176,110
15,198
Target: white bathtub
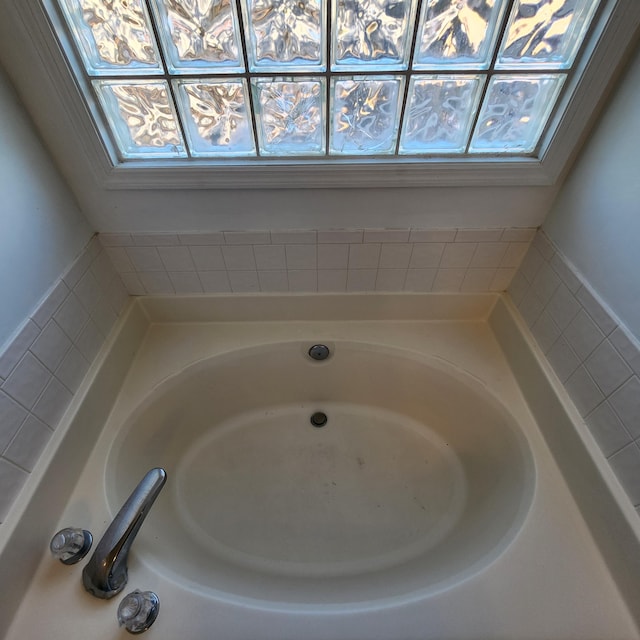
432,504
419,478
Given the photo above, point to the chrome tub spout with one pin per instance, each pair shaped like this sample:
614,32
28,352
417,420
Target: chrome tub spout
106,573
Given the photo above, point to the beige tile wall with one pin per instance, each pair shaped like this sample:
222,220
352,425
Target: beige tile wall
591,351
43,365
352,260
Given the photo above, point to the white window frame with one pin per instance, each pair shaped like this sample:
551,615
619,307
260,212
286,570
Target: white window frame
614,30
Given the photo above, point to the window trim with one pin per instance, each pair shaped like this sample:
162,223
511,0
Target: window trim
615,28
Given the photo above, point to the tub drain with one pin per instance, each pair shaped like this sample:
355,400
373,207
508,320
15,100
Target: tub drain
319,419
319,352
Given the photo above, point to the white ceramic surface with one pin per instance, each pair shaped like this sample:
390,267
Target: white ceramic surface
517,562
418,479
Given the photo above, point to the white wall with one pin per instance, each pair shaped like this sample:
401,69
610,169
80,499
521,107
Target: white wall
41,227
595,220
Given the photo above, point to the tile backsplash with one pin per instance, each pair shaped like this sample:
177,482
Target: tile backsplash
43,365
592,353
353,260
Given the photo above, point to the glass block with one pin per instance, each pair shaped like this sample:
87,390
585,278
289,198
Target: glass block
216,117
199,36
439,113
457,33
113,36
365,114
285,34
372,34
142,118
545,33
290,116
514,113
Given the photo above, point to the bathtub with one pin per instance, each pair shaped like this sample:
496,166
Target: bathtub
431,504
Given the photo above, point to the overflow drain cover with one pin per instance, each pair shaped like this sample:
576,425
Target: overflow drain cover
319,419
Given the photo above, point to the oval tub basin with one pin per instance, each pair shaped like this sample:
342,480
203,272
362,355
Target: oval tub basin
419,478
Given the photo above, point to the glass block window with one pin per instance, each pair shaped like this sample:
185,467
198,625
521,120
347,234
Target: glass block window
323,79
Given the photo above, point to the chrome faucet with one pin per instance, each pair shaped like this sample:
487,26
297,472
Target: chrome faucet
106,573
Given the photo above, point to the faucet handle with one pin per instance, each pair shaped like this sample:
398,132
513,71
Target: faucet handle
138,610
70,545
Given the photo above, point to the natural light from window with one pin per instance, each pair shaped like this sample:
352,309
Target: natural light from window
322,79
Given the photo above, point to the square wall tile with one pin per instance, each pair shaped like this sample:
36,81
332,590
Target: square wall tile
395,256
244,281
301,256
607,429
270,257
215,281
12,415
448,280
531,264
607,368
333,256
120,259
596,310
207,258
545,331
28,444
176,258
17,347
627,348
51,303
272,281
583,335
156,282
545,283
488,254
72,370
361,279
145,258
457,255
332,280
391,279
626,403
27,381
51,346
477,280
53,402
239,258
514,254
185,282
364,256
563,307
303,280
563,359
583,391
419,279
426,255
502,279
566,273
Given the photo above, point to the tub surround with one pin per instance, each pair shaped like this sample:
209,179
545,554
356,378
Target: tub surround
573,590
43,365
589,349
332,260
